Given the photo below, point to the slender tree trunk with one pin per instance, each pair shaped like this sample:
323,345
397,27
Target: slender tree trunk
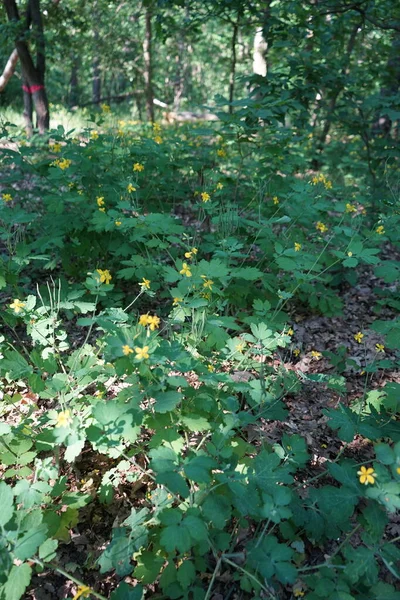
8,70
73,92
34,76
382,123
232,73
148,66
321,140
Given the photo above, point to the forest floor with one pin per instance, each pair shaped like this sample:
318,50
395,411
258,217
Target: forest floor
311,333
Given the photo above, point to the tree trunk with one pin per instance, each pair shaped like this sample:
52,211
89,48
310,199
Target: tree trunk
260,48
148,66
383,123
34,76
8,70
73,92
232,73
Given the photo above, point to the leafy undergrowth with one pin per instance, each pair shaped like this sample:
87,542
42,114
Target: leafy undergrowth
199,351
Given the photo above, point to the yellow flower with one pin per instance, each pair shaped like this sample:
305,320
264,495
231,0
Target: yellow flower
185,270
80,192
143,320
220,186
100,201
177,301
297,593
105,276
138,167
83,591
211,368
156,127
130,188
105,108
240,347
358,337
153,322
398,470
321,227
380,230
297,247
221,153
103,210
62,164
296,352
127,350
158,139
366,475
350,208
316,355
64,419
56,147
7,197
380,347
118,223
94,135
208,283
145,284
290,331
322,179
275,200
205,197
350,254
142,353
17,305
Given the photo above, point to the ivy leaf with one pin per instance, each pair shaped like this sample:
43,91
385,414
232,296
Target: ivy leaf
17,581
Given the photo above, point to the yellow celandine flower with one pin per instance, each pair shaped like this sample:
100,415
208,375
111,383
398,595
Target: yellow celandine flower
177,301
158,139
64,419
62,164
106,108
211,368
205,197
56,147
316,355
380,230
118,223
358,337
322,179
275,200
130,188
185,270
105,276
297,593
350,254
221,153
208,283
398,470
94,135
192,252
143,320
296,352
153,322
100,201
17,305
156,127
219,186
350,208
138,167
127,350
290,331
142,353
367,476
380,347
145,284
120,133
321,227
80,192
83,591
240,347
7,197
103,210
297,247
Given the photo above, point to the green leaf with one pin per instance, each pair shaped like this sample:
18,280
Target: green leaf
17,581
343,420
198,468
385,454
148,566
127,592
271,558
166,401
186,574
47,550
27,545
217,509
6,503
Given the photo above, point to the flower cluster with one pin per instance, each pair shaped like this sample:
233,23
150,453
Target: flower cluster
138,167
62,164
380,230
56,147
321,227
350,208
322,179
152,322
191,253
101,203
105,276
